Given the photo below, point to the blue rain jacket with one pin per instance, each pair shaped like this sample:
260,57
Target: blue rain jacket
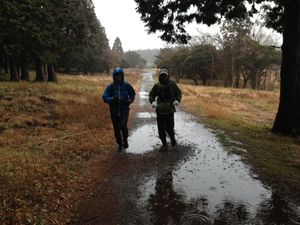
119,96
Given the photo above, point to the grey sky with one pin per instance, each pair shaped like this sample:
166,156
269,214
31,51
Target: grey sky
120,19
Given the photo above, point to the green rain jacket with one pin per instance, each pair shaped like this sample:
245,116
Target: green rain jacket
166,95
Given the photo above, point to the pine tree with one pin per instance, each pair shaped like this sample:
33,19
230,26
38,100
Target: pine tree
118,46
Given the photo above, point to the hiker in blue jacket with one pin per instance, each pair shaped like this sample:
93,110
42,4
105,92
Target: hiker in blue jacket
119,95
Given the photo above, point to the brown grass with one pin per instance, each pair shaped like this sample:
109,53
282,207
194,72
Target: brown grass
225,103
49,133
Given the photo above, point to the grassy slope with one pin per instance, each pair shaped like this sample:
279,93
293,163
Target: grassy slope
49,133
247,116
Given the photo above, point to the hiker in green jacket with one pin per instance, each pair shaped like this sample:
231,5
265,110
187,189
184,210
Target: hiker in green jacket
164,97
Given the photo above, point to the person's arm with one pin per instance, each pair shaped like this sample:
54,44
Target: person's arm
178,92
106,95
153,94
131,93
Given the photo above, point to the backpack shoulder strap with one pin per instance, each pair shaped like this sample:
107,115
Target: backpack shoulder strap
171,89
159,87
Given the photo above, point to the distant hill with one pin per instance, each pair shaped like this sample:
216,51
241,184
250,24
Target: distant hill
148,54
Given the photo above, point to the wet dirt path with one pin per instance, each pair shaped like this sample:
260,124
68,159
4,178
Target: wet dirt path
196,182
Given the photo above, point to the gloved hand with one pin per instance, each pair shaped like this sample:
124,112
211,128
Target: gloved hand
154,105
176,103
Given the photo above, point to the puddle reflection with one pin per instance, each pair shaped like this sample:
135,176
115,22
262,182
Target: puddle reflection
167,205
213,186
146,115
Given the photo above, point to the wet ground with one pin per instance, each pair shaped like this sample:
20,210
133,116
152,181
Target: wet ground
197,182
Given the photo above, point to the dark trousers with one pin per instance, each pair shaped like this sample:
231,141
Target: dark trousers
120,127
165,124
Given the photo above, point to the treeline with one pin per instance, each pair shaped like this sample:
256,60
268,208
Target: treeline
50,34
117,57
234,58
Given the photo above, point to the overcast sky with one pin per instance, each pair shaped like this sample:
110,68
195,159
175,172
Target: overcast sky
120,19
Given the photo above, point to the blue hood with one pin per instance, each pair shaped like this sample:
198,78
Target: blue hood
118,70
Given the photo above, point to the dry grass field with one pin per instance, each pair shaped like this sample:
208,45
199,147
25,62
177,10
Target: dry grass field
247,116
243,105
49,135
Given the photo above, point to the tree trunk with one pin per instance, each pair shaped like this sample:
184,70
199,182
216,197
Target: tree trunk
67,69
85,70
51,73
13,71
57,69
252,79
1,60
237,75
287,120
225,83
195,81
177,77
107,70
39,67
6,64
232,71
24,71
212,66
263,81
204,81
226,79
19,69
45,71
275,79
245,83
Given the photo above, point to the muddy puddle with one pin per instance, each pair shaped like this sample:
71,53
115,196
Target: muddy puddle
208,185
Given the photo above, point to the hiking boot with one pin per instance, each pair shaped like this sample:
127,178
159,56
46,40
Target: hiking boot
164,147
120,148
173,142
125,143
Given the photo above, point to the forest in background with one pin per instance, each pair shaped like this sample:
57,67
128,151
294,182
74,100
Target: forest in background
48,37
242,55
